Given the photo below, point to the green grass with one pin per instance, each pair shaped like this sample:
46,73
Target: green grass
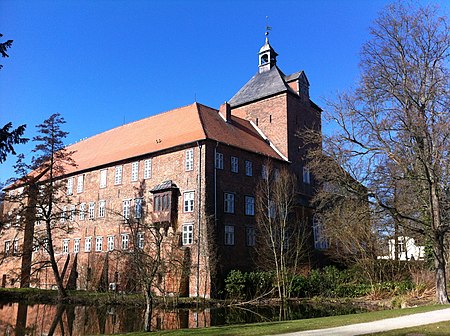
273,328
435,329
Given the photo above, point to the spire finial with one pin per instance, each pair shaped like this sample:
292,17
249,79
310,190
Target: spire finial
267,28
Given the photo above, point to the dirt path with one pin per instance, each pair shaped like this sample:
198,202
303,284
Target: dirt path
380,325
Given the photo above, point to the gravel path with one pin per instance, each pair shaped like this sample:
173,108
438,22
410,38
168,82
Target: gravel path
381,325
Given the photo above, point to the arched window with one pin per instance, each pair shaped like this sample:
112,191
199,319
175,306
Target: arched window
264,59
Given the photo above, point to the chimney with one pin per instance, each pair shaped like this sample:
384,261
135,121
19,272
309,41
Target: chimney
225,110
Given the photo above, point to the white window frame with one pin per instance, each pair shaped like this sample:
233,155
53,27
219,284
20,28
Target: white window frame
91,213
134,171
7,247
82,214
101,208
248,168
140,240
249,205
219,160
188,201
87,244
73,210
62,219
228,202
98,244
189,162
234,164
65,247
306,176
126,208
188,234
125,241
70,186
320,241
80,184
137,208
147,168
76,245
118,175
15,250
229,235
110,243
250,236
103,178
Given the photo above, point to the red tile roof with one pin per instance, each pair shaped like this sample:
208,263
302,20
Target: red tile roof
166,130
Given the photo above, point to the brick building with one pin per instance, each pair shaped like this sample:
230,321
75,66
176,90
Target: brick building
193,168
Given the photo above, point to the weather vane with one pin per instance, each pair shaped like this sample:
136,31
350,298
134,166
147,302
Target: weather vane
267,26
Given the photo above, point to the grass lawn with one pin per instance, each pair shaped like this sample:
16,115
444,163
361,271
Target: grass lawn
435,329
273,328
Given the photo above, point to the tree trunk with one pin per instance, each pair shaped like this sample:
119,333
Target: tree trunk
148,310
27,249
440,268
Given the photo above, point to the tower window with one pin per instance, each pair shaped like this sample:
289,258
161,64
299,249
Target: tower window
264,59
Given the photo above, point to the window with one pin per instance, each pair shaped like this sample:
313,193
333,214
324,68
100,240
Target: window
188,201
248,168
70,186
63,214
190,159
276,174
80,184
138,208
134,171
157,203
165,202
65,248
148,168
45,243
219,160
101,208
320,241
103,175
140,240
234,164
7,248
188,234
16,247
118,175
76,245
228,203
82,211
249,205
72,212
125,241
35,245
110,243
98,244
264,173
87,244
126,209
38,216
250,236
272,209
229,235
91,210
306,176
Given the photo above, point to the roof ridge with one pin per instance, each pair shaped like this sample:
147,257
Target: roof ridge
130,123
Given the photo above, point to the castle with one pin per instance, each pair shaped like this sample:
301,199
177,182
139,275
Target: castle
192,169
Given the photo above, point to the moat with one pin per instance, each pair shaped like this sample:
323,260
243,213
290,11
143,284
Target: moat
45,319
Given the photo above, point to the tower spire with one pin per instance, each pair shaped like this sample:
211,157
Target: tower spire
267,56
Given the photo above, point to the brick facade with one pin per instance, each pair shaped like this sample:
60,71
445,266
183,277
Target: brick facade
210,198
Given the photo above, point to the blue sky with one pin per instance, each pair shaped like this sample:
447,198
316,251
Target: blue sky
104,63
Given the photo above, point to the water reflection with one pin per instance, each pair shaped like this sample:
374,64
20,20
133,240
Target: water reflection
20,319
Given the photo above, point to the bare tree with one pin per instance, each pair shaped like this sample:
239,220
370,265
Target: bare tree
392,131
281,239
39,196
153,258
